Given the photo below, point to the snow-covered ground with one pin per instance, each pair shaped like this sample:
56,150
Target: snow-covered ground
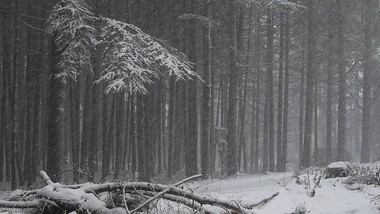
331,198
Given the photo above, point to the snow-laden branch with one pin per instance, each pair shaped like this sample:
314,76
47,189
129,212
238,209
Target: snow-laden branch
69,24
130,60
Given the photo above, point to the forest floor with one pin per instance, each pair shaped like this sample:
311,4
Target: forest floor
333,196
294,194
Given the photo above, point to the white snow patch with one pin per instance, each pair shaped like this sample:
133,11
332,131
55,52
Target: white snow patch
339,165
332,198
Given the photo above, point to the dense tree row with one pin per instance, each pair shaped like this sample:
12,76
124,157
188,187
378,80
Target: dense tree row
280,82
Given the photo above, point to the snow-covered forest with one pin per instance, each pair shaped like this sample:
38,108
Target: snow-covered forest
114,91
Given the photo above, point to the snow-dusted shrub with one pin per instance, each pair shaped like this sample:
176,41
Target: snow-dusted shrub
364,175
310,178
300,209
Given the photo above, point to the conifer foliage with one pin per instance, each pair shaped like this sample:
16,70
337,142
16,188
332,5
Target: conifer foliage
70,26
131,58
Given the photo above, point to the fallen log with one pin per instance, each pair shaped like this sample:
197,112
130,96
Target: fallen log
131,186
85,198
21,204
262,201
187,202
164,191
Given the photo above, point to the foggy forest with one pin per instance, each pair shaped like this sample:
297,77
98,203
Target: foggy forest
190,106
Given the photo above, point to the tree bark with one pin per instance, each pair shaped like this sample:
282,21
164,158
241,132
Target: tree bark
87,124
341,150
95,136
329,70
301,112
16,105
206,101
311,46
75,128
56,114
316,143
258,79
133,133
232,167
191,156
280,93
6,90
171,121
270,94
286,97
107,120
367,70
120,135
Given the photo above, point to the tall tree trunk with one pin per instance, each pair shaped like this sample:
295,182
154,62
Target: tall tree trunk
301,111
270,94
141,135
171,128
178,127
75,127
13,111
147,139
112,134
341,150
253,120
55,118
106,133
95,136
213,124
120,135
242,140
248,60
240,11
87,124
316,145
6,69
329,70
286,97
16,105
191,156
37,111
232,167
160,124
133,134
206,110
127,140
367,70
280,93
311,40
2,99
30,81
258,79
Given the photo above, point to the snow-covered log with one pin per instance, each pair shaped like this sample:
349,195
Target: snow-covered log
21,204
262,201
130,187
86,198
